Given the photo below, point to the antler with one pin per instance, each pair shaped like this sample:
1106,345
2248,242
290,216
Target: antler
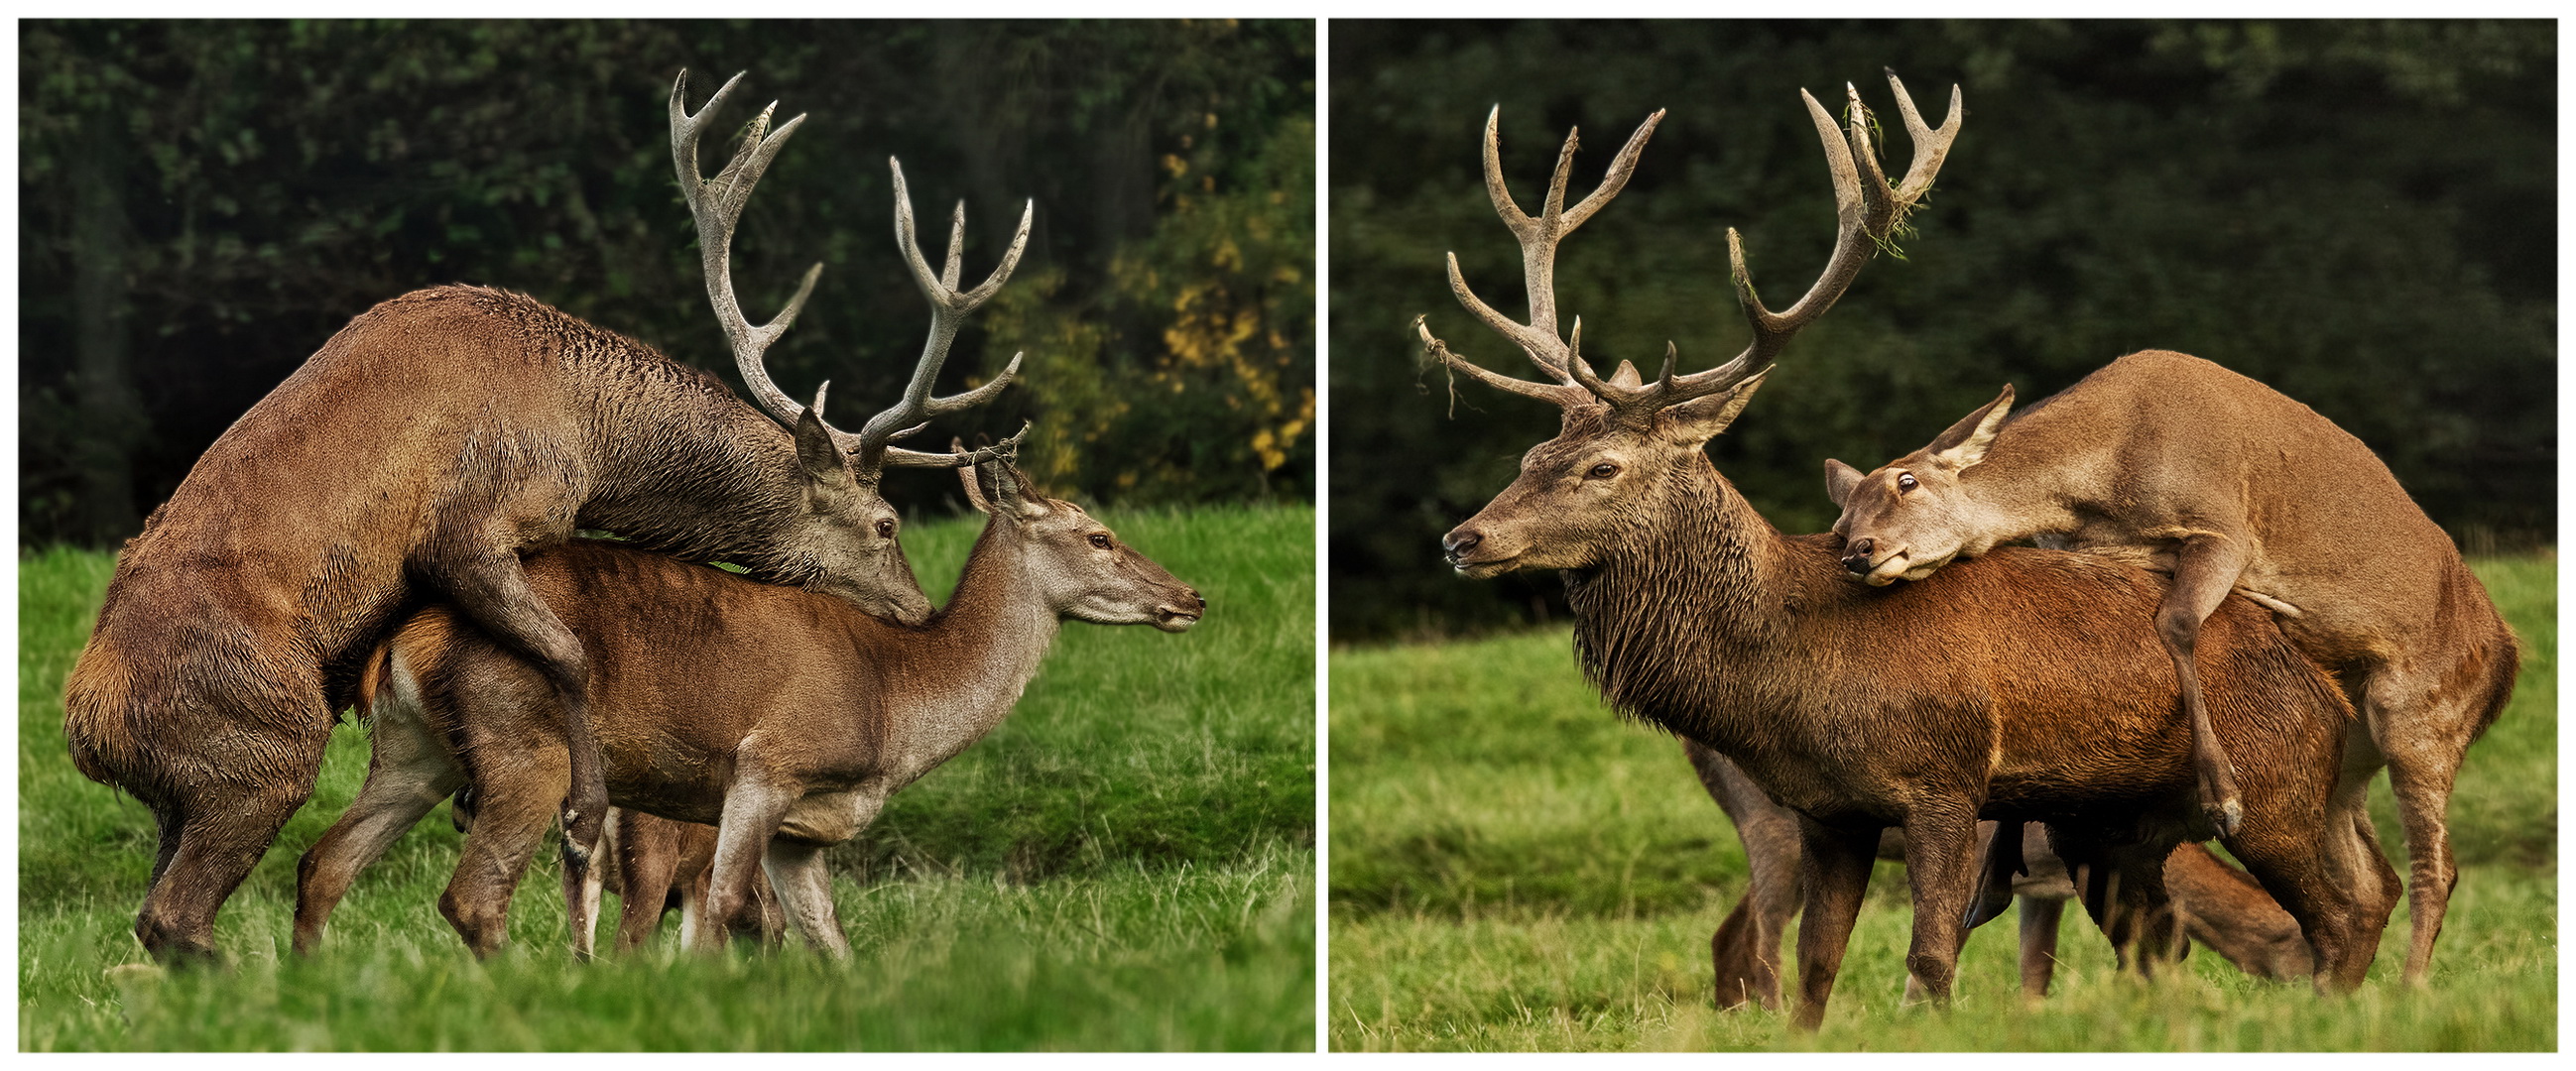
1868,212
717,204
948,309
1538,237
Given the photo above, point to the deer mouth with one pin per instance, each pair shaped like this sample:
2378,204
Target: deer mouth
1894,567
1175,619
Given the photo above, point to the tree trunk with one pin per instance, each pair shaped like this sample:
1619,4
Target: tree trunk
110,420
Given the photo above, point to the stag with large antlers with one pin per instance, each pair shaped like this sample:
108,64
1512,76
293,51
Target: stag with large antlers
424,450
2229,486
2017,691
784,719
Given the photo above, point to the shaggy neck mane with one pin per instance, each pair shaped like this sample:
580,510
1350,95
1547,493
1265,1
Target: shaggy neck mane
1673,625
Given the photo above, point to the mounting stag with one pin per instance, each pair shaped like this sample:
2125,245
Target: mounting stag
2017,690
2229,486
782,718
418,455
2220,906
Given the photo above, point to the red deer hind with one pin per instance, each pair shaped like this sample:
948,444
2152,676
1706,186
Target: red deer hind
418,455
782,718
2228,486
2023,689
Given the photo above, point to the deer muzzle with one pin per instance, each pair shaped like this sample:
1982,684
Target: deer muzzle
1181,613
1875,564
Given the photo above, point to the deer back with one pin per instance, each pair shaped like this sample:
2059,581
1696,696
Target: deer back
2153,449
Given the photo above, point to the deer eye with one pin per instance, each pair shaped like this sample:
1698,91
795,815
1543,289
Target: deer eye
885,529
1603,471
1905,481
1100,540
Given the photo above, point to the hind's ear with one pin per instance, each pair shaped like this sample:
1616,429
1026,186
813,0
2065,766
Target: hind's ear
1965,443
1839,480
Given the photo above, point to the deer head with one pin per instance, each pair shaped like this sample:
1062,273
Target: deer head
849,532
1910,518
1081,569
1627,445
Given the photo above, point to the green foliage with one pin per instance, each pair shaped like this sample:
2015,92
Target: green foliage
1515,868
1127,863
266,181
2359,214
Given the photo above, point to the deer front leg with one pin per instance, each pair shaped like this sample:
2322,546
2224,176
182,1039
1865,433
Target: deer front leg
2206,569
804,887
1940,862
1835,876
755,803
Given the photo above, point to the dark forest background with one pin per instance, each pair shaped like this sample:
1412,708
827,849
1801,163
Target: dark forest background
2362,215
203,203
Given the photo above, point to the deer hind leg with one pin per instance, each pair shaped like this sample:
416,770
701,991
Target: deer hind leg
2424,739
1745,950
493,591
2205,570
515,792
2123,890
214,830
2040,919
409,771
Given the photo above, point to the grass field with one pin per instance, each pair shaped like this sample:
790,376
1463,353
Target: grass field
1128,863
1514,868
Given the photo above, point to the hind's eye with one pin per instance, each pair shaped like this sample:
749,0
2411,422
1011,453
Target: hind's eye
1603,471
1905,481
885,529
1100,540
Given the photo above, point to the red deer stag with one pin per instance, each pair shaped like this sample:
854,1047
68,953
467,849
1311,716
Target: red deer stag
2231,487
418,455
2012,691
783,718
2220,906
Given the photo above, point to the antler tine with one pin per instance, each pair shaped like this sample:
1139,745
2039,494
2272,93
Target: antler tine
1008,449
1931,146
1867,214
948,311
716,205
1561,394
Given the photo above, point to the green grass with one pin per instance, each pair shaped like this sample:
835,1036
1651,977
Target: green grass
1515,868
1127,863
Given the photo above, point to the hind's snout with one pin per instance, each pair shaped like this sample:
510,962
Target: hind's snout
1181,613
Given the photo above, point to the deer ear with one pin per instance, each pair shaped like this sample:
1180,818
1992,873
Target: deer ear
826,470
1700,419
966,476
1839,480
1966,442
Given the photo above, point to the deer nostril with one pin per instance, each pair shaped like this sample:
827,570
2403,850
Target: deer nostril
1463,542
1861,548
